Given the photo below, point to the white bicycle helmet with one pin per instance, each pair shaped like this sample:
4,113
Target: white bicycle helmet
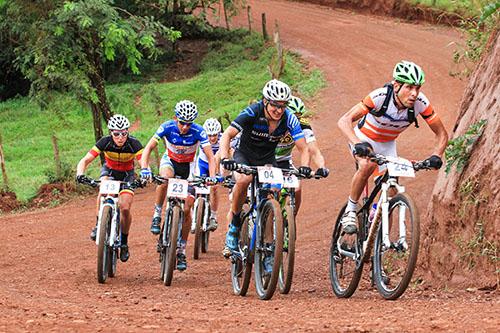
186,111
212,126
118,122
276,90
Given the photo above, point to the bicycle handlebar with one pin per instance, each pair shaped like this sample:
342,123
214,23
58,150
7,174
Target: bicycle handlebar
417,165
95,183
252,170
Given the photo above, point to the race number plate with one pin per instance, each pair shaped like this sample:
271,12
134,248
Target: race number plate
270,175
109,187
202,190
177,188
290,181
400,167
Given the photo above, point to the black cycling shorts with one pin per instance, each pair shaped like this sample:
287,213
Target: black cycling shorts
240,158
124,176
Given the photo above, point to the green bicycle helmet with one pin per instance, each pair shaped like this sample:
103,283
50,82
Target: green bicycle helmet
408,72
296,105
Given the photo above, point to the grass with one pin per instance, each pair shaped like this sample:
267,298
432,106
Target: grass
463,7
233,74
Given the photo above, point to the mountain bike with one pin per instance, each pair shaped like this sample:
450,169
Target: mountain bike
261,233
393,231
171,229
287,204
108,238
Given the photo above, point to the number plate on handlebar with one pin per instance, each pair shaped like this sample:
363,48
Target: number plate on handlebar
400,167
202,190
290,181
109,187
270,175
177,188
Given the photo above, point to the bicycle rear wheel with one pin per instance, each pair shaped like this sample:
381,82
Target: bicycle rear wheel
241,265
394,266
103,258
288,260
170,253
198,233
345,270
271,217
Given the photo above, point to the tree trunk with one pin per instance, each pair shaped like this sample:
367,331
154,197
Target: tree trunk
225,14
96,117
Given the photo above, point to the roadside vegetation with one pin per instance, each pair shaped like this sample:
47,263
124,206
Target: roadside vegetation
467,8
232,75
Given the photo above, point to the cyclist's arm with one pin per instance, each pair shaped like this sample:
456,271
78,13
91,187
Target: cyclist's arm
83,164
304,151
442,136
147,152
345,122
225,141
316,156
217,162
211,160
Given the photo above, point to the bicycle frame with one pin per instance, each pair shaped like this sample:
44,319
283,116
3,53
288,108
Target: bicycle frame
114,236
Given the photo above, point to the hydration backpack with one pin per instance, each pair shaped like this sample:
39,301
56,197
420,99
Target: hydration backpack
385,105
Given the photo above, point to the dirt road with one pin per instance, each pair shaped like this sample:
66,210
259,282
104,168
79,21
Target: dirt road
48,281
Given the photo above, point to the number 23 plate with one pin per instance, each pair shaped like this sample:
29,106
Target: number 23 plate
177,188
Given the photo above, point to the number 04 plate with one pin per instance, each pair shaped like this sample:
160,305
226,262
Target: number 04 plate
177,188
270,175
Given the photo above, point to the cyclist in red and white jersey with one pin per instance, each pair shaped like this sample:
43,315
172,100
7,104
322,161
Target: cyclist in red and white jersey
383,115
182,137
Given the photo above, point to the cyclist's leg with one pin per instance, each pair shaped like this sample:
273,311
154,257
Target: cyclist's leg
183,170
166,171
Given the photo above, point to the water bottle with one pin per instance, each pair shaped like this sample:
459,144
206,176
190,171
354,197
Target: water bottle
372,212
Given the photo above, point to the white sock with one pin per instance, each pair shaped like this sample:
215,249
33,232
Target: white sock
157,212
352,205
213,214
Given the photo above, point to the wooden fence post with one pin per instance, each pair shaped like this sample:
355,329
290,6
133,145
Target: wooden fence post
249,15
2,163
264,29
57,160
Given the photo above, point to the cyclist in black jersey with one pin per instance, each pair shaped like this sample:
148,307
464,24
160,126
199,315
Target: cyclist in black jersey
262,125
120,149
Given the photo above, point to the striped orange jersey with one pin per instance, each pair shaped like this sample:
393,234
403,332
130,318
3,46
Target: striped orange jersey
118,158
388,126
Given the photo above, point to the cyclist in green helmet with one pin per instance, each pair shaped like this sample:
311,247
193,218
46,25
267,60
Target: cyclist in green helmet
381,117
286,145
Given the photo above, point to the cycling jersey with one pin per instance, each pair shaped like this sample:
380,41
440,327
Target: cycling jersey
118,158
181,148
388,126
286,144
215,148
256,143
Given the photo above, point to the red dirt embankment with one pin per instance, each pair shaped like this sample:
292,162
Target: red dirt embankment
461,242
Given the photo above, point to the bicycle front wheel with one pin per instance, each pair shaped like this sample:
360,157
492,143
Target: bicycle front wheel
346,265
241,264
288,260
103,255
172,225
269,249
394,260
198,233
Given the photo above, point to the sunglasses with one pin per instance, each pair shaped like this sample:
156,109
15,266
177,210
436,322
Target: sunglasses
117,134
183,123
278,105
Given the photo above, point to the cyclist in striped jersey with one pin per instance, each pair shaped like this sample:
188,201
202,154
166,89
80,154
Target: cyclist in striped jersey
383,115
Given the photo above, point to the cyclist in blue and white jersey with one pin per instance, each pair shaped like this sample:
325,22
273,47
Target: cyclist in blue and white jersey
182,137
213,129
262,125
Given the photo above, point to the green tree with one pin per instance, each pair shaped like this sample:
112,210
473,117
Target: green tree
63,45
